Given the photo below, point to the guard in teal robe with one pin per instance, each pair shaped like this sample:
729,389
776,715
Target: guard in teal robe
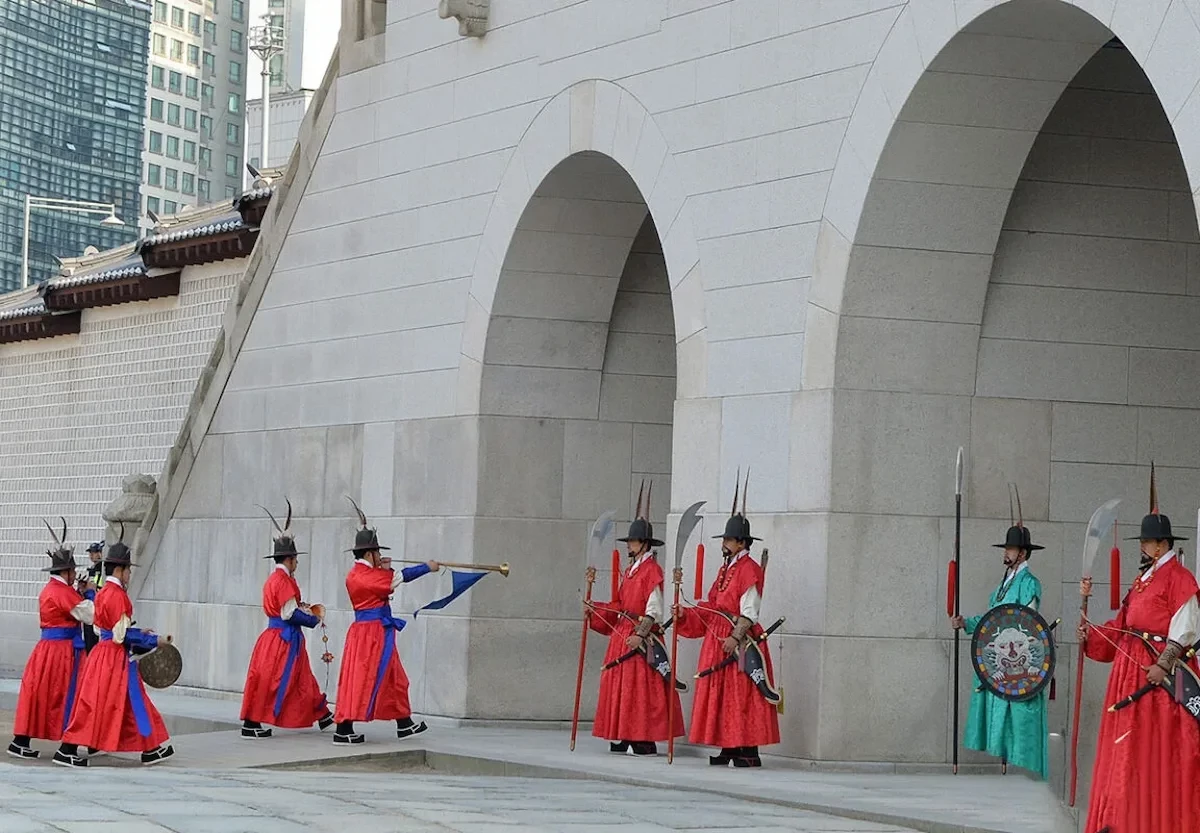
1015,732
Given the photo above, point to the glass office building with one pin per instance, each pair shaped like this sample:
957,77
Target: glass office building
72,108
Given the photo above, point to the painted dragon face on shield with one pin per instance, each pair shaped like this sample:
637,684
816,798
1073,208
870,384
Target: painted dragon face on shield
1012,653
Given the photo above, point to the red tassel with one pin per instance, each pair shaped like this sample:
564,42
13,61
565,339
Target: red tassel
699,594
1114,556
1053,687
951,576
616,574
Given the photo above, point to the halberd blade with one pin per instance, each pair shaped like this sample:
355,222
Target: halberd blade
687,523
601,529
1098,527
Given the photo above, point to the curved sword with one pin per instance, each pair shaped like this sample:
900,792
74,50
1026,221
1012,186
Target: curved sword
687,523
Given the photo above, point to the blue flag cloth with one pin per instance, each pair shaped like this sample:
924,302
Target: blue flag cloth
462,583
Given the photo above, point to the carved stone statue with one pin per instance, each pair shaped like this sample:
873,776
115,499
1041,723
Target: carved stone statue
136,501
472,15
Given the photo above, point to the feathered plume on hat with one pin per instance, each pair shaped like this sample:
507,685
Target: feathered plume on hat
62,557
366,539
285,544
1018,534
641,529
119,553
1156,526
738,525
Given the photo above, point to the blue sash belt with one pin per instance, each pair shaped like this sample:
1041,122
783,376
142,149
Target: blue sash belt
75,636
290,633
137,695
382,615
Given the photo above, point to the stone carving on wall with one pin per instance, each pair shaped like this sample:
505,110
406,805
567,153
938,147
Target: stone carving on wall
472,15
138,499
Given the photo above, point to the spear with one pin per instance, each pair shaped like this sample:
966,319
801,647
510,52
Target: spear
600,530
955,586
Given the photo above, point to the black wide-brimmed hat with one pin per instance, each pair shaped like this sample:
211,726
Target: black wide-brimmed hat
1018,534
62,557
738,525
366,539
641,529
285,544
1156,526
119,553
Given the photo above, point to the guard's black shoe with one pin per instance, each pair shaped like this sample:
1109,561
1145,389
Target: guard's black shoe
19,750
66,759
93,752
260,732
644,748
723,759
325,722
353,737
411,729
158,755
619,747
746,756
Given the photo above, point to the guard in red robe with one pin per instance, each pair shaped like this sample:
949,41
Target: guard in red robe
280,687
631,711
372,684
732,709
1147,772
51,677
112,712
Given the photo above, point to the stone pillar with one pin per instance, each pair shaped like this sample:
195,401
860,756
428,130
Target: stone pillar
136,504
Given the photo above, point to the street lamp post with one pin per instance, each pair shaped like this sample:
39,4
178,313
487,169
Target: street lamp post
266,42
54,204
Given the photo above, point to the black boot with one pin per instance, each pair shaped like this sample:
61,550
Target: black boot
344,733
724,758
19,748
155,756
620,747
406,728
68,755
254,729
747,756
644,747
325,722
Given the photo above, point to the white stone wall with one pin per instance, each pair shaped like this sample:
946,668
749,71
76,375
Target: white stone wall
79,413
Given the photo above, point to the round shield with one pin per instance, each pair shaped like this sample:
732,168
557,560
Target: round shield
162,667
1012,651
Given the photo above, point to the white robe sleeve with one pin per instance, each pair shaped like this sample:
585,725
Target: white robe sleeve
289,607
119,629
1185,624
751,604
654,604
84,612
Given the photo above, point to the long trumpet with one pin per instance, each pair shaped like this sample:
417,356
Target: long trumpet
502,569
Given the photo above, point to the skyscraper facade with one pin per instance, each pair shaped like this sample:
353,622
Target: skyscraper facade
72,105
195,103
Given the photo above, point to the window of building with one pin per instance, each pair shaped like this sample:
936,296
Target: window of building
156,143
230,192
206,124
277,69
158,44
160,11
171,207
192,86
210,33
158,77
235,71
156,109
177,17
176,49
206,94
231,165
205,159
187,183
189,151
202,186
210,64
193,55
173,111
235,103
237,10
154,174
233,133
235,40
175,82
277,21
189,119
173,147
193,23
172,180
152,204
276,4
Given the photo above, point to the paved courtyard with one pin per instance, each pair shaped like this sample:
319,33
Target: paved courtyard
42,800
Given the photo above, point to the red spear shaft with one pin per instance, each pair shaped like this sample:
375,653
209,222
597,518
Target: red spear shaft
587,620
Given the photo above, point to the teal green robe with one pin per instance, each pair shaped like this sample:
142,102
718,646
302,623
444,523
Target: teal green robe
1018,732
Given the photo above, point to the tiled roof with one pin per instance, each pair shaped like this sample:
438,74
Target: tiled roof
129,268
38,307
253,195
221,225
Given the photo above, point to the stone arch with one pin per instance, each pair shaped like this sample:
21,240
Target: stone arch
948,310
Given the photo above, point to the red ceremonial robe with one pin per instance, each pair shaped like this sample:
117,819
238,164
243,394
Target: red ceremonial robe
633,696
112,699
372,684
301,703
727,710
1147,773
51,678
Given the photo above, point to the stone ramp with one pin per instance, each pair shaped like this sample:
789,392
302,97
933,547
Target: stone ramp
935,803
